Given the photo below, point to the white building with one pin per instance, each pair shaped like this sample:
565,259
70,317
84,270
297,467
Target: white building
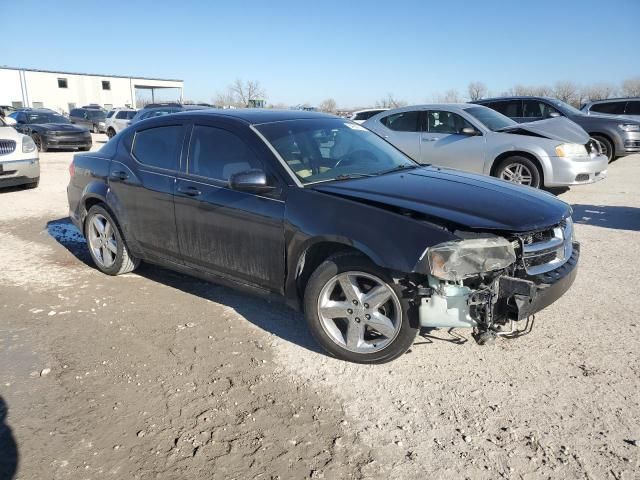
62,91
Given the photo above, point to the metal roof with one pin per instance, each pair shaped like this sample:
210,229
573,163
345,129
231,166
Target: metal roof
91,74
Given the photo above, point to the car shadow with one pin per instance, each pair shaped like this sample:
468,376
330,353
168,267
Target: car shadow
614,217
271,316
8,446
274,317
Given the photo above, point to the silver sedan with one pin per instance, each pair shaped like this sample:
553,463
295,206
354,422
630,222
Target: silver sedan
551,153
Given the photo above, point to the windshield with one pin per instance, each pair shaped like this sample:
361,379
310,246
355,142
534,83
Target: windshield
45,118
565,106
327,149
490,118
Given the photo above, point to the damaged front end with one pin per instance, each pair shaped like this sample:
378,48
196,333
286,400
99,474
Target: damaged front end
486,281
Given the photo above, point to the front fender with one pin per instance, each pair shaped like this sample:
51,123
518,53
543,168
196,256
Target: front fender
391,240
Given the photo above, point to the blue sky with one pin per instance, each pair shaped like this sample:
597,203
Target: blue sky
354,51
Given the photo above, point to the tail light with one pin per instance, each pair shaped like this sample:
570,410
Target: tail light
72,169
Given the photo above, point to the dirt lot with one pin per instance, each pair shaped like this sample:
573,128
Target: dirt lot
157,375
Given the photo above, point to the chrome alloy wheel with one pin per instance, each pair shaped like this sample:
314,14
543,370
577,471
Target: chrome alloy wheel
517,173
102,241
359,312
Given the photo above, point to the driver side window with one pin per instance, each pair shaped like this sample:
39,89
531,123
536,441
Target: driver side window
439,121
537,109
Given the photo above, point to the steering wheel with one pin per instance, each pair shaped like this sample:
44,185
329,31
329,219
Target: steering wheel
353,157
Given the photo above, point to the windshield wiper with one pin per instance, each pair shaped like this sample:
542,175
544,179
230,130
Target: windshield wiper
343,176
397,168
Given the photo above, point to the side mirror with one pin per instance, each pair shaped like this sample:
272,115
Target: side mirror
471,132
253,181
553,115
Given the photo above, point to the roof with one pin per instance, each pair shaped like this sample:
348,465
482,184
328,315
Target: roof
3,67
621,99
260,115
513,97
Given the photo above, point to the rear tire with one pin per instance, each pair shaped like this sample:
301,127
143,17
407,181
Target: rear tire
95,129
106,245
607,147
519,170
384,325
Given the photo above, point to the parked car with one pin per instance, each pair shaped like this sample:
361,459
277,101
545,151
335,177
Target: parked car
51,130
158,111
92,118
324,213
19,163
629,107
118,119
361,116
618,136
474,138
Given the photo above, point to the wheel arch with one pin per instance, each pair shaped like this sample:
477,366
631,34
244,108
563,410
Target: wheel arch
316,252
513,153
608,137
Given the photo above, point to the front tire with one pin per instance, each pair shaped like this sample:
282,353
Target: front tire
95,129
40,144
33,184
520,170
357,313
106,246
111,133
607,147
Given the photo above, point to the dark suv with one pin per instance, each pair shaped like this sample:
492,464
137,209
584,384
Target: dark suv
323,212
618,136
89,117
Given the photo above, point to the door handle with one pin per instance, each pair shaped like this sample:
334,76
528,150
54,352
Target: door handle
191,191
429,139
119,175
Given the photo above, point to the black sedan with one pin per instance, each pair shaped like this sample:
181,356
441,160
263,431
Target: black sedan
327,215
51,130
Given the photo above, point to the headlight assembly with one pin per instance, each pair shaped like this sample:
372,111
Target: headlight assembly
28,145
457,260
629,127
570,150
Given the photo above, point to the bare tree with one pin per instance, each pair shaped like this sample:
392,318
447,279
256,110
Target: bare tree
631,87
599,91
477,91
450,96
224,99
329,106
568,92
390,102
245,92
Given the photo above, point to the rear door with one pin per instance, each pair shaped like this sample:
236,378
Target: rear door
403,129
633,108
443,142
142,181
235,234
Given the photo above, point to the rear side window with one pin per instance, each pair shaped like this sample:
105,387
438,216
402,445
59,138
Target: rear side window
74,113
509,108
633,108
612,108
218,154
403,121
158,146
125,114
110,114
366,115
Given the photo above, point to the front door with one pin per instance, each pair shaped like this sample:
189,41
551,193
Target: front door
443,142
228,232
143,187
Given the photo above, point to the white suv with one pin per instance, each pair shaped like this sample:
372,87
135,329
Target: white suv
19,161
118,119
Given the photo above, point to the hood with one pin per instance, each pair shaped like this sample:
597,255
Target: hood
451,197
596,119
62,127
9,133
559,128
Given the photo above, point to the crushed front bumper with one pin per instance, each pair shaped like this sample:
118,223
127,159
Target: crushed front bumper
510,298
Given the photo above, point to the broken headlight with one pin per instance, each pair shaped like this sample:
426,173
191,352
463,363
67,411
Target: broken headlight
457,260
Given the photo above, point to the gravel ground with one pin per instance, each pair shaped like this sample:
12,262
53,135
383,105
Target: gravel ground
158,375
